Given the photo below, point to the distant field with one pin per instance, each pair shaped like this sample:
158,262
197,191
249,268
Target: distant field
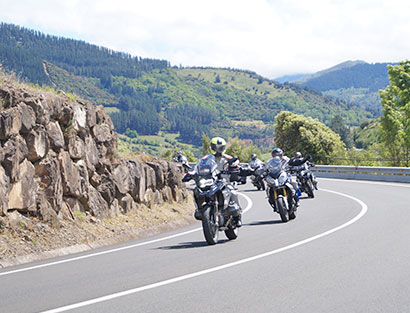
237,79
109,110
153,145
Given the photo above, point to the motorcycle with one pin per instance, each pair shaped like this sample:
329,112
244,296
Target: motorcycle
257,178
213,200
304,179
237,172
184,162
278,190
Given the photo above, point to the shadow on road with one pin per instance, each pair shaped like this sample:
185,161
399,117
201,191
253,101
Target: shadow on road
260,223
190,245
252,190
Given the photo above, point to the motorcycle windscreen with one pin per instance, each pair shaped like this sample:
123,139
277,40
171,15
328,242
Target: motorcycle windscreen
206,166
274,167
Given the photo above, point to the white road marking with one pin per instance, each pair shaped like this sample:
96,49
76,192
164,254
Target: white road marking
367,182
218,268
250,203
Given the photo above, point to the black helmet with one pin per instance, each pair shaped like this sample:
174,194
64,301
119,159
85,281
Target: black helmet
298,155
277,152
253,156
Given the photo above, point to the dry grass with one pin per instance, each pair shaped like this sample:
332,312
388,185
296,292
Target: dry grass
27,239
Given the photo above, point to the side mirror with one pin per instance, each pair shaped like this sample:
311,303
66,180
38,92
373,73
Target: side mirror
233,160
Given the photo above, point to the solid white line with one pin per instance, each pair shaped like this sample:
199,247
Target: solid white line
367,182
116,249
218,268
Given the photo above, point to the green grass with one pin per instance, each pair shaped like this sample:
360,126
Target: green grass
154,145
109,110
237,79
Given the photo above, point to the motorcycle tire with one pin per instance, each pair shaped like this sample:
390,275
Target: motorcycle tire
283,212
231,233
309,189
210,225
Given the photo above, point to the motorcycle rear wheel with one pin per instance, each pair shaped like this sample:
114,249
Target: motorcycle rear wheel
210,225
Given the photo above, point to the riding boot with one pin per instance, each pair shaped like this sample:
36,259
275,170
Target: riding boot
238,220
197,215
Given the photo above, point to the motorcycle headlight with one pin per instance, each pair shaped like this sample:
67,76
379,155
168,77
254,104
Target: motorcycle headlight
205,182
282,178
270,180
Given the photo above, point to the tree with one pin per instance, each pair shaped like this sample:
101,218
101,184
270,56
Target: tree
240,149
338,125
206,144
395,121
235,148
296,132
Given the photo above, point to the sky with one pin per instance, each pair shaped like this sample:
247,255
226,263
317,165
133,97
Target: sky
270,37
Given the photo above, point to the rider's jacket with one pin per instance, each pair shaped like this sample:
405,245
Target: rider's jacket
254,164
222,162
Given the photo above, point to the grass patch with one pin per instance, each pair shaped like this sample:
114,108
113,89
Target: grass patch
153,145
110,110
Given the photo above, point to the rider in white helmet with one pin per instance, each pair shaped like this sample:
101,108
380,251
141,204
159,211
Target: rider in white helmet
218,146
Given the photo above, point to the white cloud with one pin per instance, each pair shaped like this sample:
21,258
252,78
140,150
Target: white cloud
271,37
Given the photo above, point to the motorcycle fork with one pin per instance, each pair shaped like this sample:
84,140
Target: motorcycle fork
217,212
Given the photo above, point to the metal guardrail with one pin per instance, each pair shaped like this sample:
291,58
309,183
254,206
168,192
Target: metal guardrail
375,173
391,174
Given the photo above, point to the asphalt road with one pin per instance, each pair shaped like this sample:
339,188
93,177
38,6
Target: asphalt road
347,251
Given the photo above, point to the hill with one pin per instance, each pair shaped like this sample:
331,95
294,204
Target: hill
357,82
148,96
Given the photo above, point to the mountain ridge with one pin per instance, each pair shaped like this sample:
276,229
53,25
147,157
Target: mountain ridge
149,95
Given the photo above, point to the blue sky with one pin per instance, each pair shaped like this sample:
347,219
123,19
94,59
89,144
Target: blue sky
270,37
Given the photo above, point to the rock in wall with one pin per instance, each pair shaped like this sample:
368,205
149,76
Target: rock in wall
58,155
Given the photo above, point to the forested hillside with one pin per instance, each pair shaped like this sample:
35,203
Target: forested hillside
24,50
353,81
147,96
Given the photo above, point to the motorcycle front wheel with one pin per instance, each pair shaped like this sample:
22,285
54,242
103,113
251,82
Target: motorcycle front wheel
210,225
282,208
309,189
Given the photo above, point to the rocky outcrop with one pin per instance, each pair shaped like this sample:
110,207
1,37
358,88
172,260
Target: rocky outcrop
58,156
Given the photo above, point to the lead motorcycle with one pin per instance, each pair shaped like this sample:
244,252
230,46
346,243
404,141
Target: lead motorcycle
212,196
279,190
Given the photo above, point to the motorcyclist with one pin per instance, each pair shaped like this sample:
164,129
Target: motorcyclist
307,163
256,169
180,157
218,146
255,162
285,163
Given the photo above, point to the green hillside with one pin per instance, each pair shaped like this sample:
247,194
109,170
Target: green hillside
85,87
367,134
146,96
355,82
